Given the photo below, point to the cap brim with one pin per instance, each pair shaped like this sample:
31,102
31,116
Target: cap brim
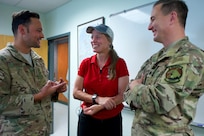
90,29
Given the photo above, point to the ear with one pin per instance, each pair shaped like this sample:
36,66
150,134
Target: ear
21,29
173,17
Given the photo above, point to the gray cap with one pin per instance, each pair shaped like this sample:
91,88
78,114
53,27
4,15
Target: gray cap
104,29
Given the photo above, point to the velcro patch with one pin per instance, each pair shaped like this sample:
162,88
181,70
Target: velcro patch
173,74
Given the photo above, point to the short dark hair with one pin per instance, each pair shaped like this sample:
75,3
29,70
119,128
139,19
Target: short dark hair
22,17
178,6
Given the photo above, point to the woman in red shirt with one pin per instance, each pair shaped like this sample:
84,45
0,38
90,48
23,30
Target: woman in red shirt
101,81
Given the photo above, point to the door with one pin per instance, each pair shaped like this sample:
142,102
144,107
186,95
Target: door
59,63
61,69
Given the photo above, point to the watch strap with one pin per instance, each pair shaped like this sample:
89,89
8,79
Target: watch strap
94,96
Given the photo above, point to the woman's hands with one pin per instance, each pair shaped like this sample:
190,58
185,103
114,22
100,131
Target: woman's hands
107,102
92,109
103,103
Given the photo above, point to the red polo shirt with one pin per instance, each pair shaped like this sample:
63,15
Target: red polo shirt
96,81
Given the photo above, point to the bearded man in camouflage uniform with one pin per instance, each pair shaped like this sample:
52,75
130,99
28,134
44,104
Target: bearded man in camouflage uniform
166,90
25,91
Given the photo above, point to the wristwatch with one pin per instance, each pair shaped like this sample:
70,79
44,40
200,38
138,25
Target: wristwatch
94,96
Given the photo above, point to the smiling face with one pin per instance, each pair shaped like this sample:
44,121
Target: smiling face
33,33
159,24
99,42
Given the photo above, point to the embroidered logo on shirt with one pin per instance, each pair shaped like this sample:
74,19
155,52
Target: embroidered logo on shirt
174,74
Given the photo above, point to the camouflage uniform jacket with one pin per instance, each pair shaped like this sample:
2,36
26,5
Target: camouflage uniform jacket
19,115
165,103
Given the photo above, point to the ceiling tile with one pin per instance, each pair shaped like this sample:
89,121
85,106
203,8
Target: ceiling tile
42,6
10,2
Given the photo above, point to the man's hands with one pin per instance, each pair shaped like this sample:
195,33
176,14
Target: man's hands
63,88
49,88
135,82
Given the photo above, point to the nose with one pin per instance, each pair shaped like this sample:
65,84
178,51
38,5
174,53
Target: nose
42,35
150,26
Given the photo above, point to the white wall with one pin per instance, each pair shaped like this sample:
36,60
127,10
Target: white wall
6,18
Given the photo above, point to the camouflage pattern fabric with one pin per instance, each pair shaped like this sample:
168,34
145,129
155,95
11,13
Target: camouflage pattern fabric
165,103
19,115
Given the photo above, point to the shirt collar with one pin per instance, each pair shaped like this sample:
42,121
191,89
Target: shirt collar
94,60
176,44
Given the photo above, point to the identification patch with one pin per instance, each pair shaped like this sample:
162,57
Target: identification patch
173,74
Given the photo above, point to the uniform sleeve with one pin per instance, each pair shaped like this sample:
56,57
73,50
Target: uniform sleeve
12,103
180,80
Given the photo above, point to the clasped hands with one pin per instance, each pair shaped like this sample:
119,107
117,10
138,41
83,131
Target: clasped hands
103,103
50,88
108,102
134,82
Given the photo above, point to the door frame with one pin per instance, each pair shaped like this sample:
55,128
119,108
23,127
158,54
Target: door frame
51,50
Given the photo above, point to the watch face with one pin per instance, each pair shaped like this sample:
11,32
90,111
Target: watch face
94,96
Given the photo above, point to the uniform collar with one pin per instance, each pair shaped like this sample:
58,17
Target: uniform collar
175,46
172,49
14,52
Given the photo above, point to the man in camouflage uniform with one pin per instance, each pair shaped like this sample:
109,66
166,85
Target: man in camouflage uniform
25,91
166,90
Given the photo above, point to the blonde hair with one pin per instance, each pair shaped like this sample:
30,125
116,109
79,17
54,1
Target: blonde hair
114,58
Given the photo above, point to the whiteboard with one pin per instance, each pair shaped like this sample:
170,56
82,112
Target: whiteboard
134,42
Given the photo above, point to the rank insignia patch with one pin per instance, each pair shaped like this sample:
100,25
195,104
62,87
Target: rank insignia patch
173,74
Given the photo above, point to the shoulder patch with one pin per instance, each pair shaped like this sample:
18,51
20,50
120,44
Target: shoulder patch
173,74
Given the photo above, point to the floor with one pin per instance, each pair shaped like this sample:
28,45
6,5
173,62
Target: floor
60,120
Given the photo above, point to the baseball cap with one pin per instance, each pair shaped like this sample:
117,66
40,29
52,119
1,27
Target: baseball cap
104,29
